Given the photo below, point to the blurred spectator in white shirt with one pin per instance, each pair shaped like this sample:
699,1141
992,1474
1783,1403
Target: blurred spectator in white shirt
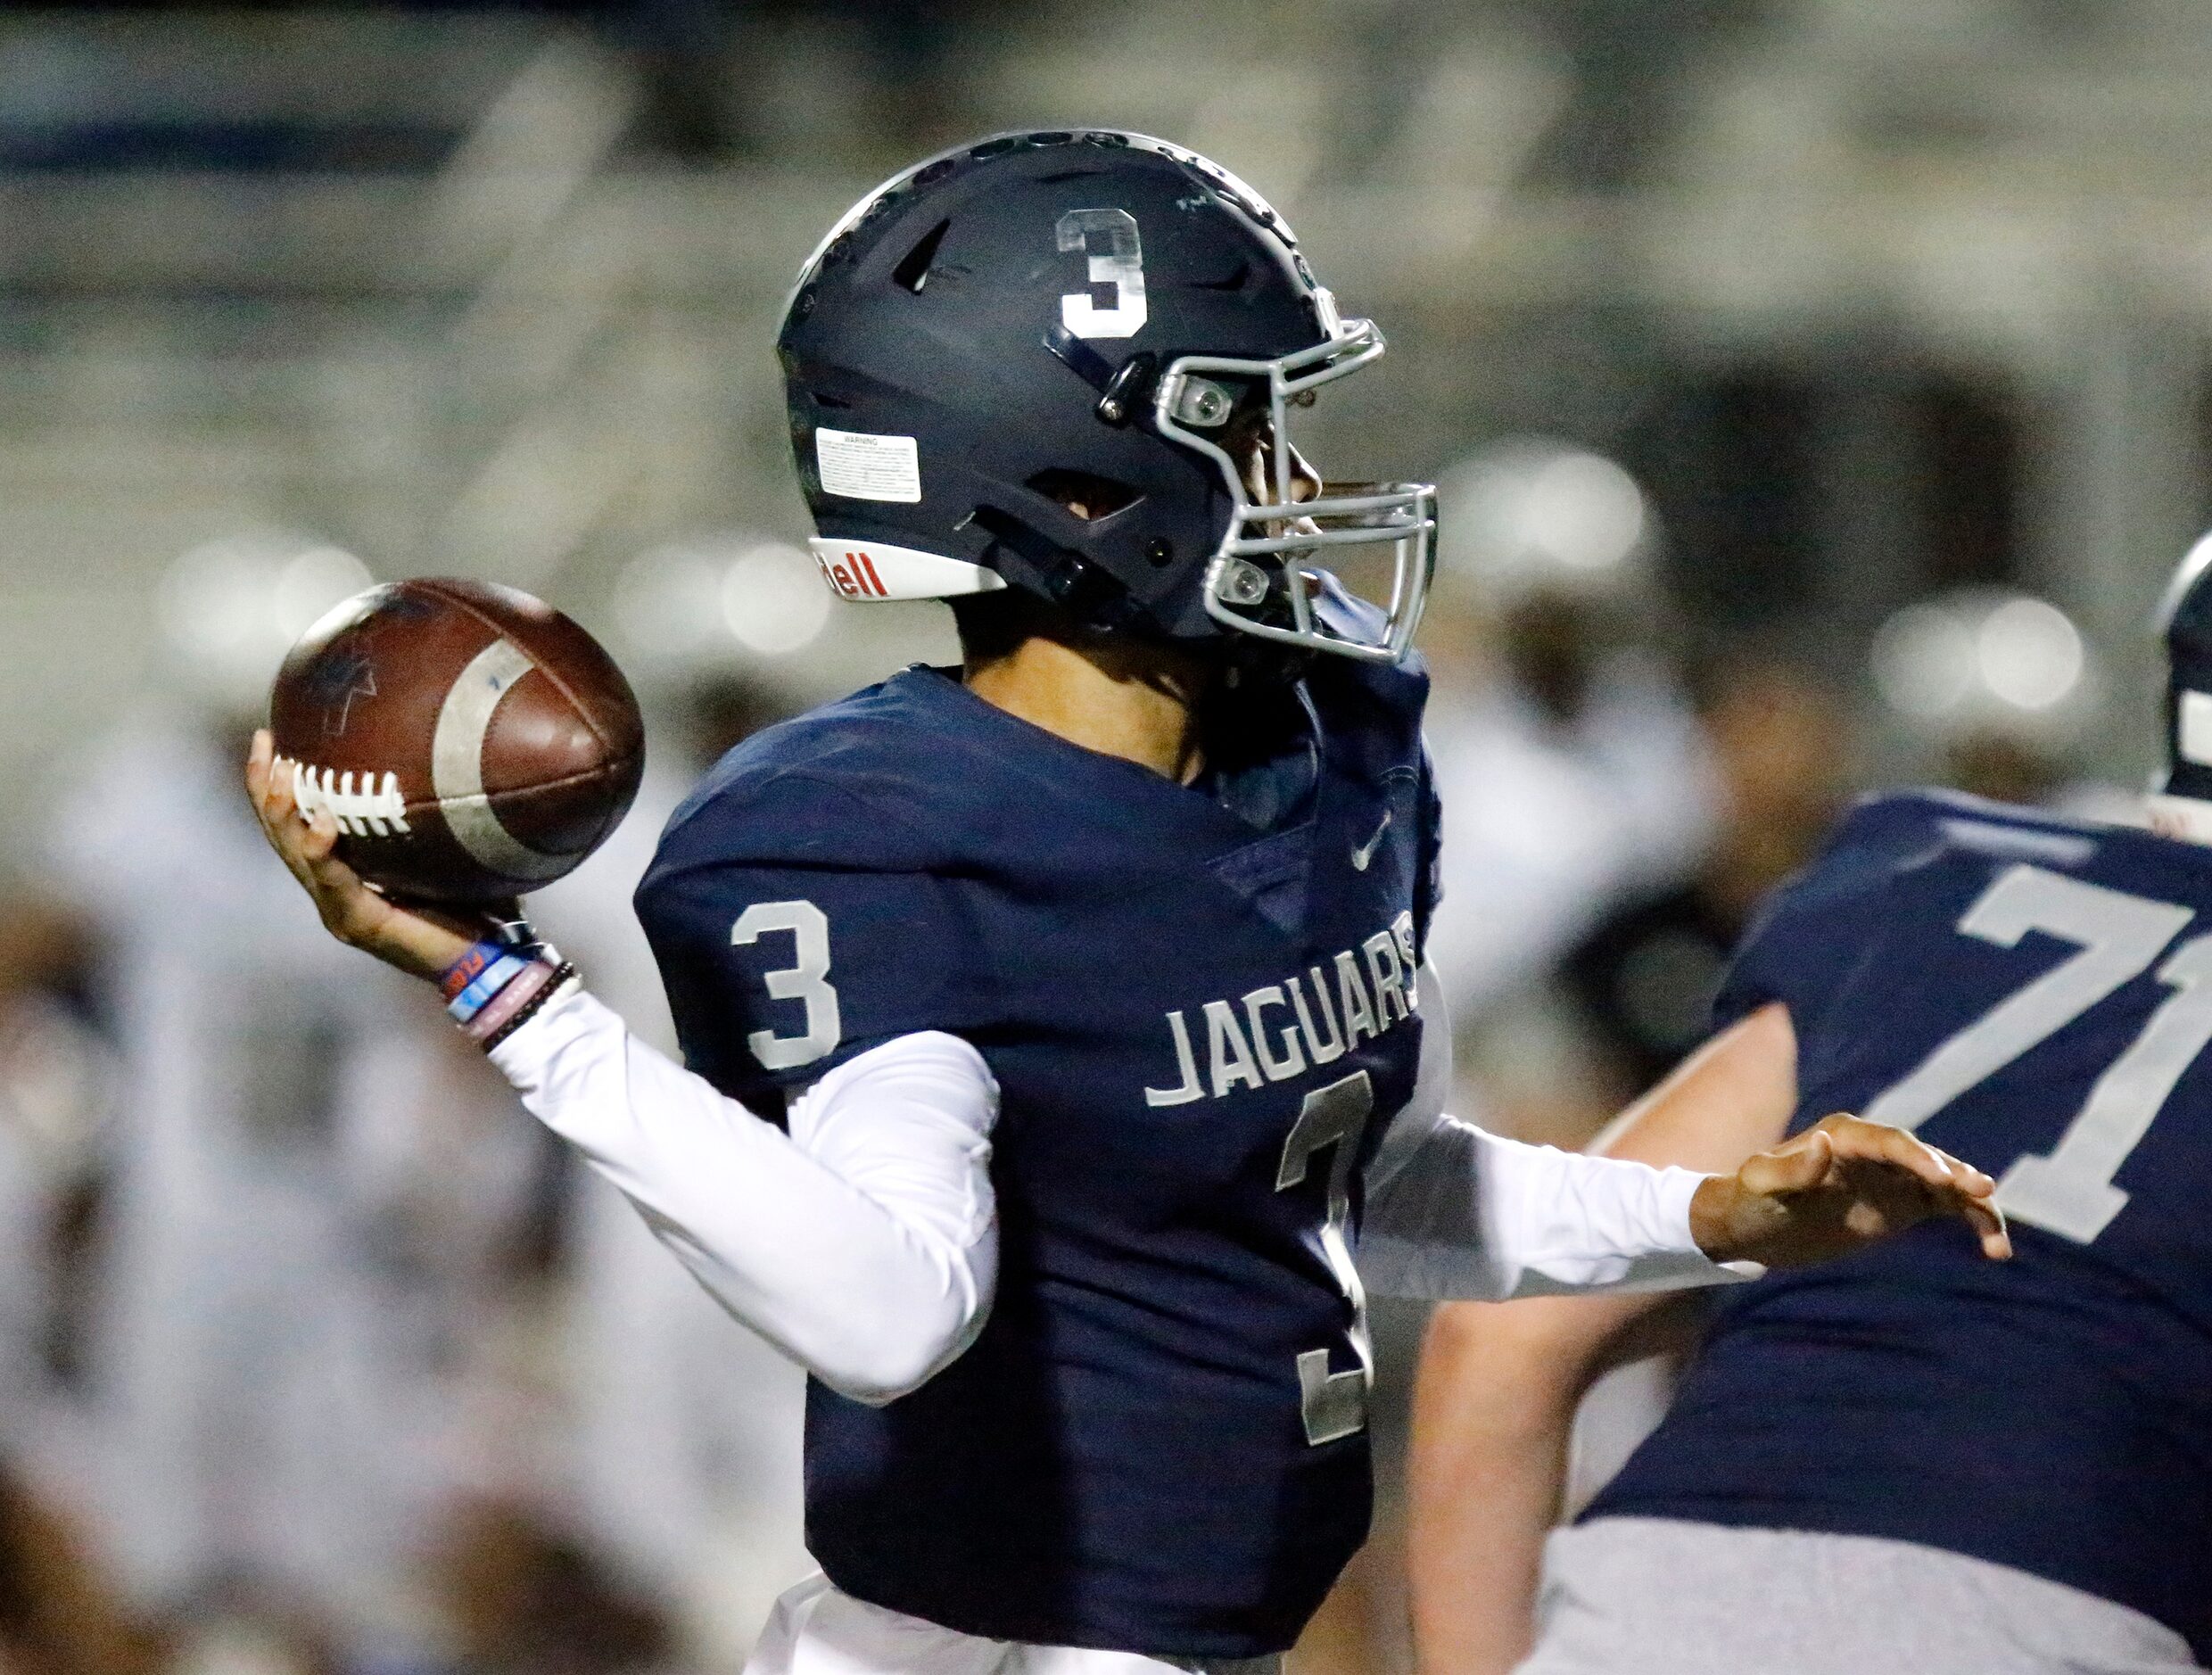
1572,773
1570,769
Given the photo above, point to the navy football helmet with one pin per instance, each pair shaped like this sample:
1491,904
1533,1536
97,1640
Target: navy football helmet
2185,623
1065,362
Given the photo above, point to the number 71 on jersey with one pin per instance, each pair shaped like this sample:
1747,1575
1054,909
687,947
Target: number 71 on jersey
2069,1190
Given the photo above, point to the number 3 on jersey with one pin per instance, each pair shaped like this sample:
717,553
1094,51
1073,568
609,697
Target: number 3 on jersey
1334,1404
2070,1191
810,935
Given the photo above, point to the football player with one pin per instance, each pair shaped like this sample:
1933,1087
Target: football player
1048,1021
1910,1459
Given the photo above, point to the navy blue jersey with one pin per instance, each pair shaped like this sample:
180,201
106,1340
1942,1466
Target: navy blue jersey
1199,1004
2033,995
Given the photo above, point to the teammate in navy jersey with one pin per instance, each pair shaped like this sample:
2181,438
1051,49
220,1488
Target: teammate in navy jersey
1055,1026
1911,1458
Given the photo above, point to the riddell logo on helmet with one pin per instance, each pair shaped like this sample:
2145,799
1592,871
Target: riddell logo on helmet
852,575
867,572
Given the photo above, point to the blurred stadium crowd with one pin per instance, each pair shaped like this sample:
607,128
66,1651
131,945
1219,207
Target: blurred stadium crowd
1817,392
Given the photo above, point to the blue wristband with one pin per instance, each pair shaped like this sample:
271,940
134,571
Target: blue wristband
465,1006
471,965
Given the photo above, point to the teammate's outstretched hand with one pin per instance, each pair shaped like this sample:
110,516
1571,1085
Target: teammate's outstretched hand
421,943
1842,1184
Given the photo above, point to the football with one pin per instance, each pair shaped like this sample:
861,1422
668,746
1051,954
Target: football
471,741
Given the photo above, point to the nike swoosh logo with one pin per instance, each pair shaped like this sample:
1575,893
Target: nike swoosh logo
1366,851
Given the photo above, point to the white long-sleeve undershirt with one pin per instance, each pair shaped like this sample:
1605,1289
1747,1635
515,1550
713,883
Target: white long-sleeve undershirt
1455,1212
863,1242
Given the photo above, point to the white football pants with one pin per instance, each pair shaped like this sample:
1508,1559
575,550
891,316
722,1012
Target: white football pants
817,1631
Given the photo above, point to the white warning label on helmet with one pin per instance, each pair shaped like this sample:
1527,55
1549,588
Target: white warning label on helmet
862,466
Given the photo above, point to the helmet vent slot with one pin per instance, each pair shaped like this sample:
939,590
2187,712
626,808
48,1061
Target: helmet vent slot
913,268
1090,497
1233,281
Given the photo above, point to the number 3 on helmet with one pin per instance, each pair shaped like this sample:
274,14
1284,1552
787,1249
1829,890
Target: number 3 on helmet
1064,362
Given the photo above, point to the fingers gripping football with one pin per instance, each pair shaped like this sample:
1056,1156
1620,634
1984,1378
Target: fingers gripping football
1842,1184
350,909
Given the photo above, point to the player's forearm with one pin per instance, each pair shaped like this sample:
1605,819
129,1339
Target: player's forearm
864,1249
1491,1431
